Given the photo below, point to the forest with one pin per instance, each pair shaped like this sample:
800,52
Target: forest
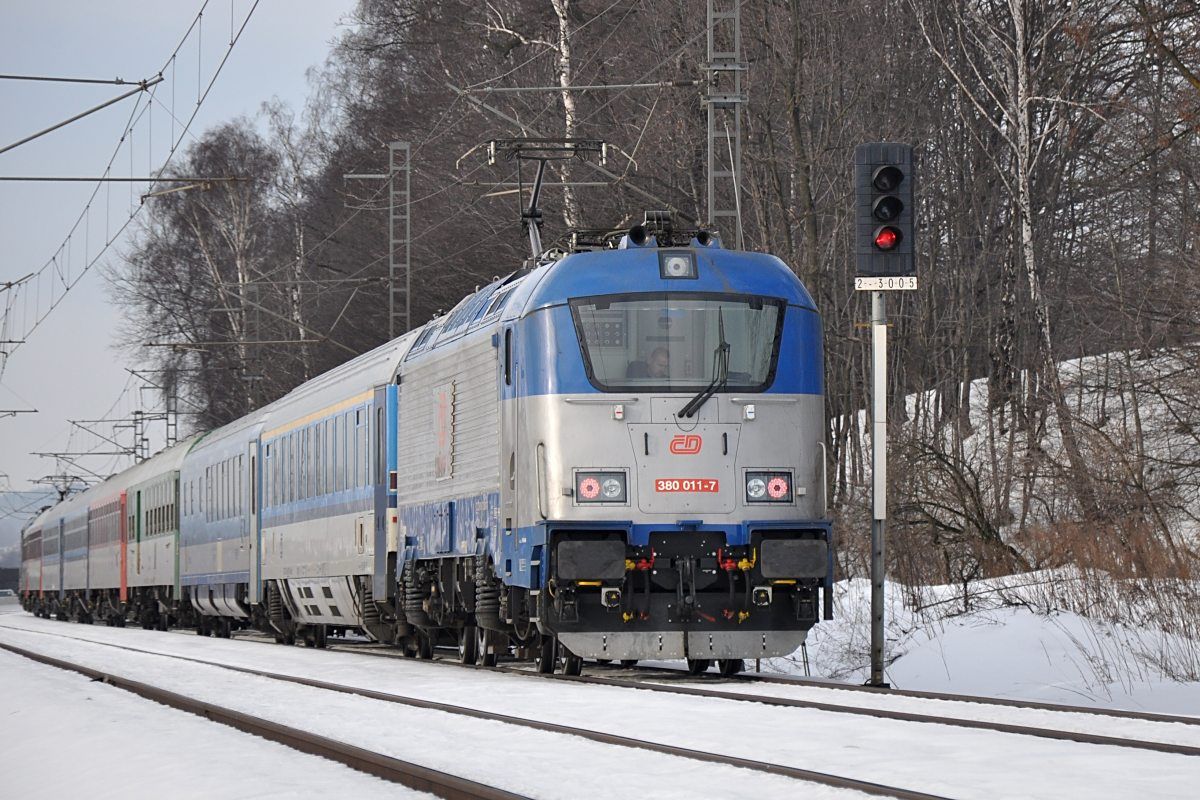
1044,375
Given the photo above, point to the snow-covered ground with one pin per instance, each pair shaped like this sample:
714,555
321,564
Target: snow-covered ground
939,759
65,736
1007,645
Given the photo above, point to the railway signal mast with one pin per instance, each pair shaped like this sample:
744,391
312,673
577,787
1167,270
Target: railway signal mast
884,245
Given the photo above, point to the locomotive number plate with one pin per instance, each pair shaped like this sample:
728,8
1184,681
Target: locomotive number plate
687,485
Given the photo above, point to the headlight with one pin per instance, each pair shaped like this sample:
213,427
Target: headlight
600,487
676,265
768,487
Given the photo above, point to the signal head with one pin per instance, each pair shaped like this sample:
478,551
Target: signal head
887,178
884,212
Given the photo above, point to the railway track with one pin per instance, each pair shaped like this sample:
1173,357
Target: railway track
439,783
415,776
650,685
653,674
1082,737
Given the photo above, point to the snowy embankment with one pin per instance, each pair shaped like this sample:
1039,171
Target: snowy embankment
1107,615
1010,644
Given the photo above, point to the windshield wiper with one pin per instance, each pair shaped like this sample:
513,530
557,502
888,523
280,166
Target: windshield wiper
720,373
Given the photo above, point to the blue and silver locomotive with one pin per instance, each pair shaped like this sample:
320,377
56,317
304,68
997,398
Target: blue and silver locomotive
615,454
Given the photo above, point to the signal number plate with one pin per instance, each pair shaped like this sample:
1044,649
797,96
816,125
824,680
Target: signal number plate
885,284
708,485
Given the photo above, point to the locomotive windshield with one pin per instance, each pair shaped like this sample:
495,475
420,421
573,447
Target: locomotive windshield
667,341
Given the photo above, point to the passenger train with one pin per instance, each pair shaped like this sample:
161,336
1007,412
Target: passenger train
614,454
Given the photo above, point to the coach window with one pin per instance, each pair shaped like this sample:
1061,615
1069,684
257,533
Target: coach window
285,470
352,451
335,454
380,446
314,474
318,468
302,464
364,446
335,441
348,452
360,443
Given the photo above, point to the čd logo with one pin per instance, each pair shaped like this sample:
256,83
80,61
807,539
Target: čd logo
685,445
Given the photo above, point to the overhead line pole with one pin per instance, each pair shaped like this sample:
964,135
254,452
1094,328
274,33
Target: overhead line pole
724,62
398,200
113,82
404,150
143,86
114,179
587,88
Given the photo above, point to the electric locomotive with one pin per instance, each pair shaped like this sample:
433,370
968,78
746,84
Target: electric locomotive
661,460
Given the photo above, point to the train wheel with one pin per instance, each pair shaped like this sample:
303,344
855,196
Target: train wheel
728,667
571,663
468,645
697,665
486,659
424,645
547,656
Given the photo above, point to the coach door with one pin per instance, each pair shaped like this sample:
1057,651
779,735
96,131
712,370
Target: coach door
137,532
124,537
253,528
61,560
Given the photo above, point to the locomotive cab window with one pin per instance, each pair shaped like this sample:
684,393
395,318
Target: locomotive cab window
677,341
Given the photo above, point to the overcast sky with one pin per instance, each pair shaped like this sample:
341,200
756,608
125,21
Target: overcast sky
70,368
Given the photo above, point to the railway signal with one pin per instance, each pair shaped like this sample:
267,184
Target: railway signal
883,245
884,213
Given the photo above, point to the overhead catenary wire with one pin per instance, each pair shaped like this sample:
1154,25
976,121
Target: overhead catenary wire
55,298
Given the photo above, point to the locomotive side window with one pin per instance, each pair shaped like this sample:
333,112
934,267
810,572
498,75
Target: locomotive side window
508,357
670,341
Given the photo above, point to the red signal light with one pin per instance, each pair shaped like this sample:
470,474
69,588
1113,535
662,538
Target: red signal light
887,237
589,488
777,487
